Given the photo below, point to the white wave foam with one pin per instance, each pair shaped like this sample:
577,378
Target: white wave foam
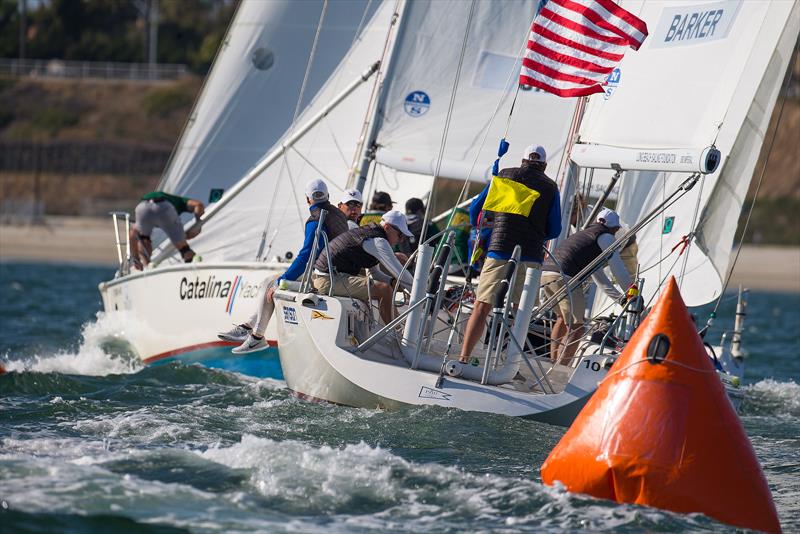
330,478
784,394
90,359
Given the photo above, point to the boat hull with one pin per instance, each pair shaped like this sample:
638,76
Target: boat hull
174,313
317,367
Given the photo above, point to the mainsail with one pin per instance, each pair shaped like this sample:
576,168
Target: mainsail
410,127
708,75
419,92
249,98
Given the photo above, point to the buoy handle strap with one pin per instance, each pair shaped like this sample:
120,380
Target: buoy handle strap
670,362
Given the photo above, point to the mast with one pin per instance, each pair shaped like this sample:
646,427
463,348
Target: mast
367,149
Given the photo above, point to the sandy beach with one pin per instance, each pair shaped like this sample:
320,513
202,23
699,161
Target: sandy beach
85,240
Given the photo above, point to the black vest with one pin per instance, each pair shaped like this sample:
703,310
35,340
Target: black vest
578,250
347,254
335,221
528,232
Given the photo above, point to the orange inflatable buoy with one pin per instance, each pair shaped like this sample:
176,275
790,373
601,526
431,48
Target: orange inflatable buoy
660,431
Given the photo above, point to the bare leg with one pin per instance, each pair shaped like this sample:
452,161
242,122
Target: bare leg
575,334
133,239
557,337
383,293
474,330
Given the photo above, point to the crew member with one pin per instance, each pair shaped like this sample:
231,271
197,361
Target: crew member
573,255
251,333
381,203
365,248
415,215
351,204
529,225
162,210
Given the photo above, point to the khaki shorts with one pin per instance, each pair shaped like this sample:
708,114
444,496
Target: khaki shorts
551,283
492,273
344,285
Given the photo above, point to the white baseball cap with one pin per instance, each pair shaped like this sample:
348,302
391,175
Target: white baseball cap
349,195
317,191
398,220
610,217
538,150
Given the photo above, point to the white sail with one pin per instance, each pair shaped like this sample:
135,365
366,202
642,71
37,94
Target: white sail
419,91
690,86
719,219
249,98
274,205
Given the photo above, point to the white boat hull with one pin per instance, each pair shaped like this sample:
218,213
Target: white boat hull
175,312
319,364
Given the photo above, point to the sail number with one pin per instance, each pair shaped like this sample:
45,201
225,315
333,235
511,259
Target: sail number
594,366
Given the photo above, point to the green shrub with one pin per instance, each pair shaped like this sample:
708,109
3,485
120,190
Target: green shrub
162,102
52,120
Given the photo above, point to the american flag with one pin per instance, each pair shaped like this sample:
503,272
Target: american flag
575,44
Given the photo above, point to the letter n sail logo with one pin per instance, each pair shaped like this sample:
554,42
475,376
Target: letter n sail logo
417,103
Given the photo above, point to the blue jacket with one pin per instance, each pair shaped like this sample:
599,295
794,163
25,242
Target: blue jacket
298,266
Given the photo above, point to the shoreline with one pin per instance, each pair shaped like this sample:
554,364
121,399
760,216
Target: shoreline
90,241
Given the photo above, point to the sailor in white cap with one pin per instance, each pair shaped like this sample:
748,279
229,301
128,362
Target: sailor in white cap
251,333
529,228
573,255
351,203
366,247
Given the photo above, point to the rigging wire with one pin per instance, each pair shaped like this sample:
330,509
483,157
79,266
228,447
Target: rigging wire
785,91
448,118
692,230
284,162
500,100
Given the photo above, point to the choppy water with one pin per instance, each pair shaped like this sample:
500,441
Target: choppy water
90,441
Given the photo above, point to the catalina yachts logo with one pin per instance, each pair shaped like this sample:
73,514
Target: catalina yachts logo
417,104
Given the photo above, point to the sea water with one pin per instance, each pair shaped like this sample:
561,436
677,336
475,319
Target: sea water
91,441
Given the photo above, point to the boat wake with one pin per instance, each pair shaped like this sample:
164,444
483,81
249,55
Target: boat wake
772,397
102,351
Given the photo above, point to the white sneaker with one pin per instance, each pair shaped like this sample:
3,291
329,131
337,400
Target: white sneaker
238,333
251,344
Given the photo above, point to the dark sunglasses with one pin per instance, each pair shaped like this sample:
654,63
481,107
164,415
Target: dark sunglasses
354,204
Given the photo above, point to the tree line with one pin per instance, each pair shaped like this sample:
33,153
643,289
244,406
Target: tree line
188,31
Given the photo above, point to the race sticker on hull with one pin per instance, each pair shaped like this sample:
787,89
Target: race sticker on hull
289,315
430,393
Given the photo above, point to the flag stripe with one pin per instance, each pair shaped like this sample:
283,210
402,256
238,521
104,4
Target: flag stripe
576,62
575,44
637,28
561,92
572,76
544,32
582,29
573,52
593,16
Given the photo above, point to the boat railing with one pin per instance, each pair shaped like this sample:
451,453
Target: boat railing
305,281
123,251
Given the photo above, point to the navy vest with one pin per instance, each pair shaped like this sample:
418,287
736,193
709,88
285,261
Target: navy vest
335,221
528,232
578,250
347,254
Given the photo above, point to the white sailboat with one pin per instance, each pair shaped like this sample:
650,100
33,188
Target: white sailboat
695,87
331,348
280,65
